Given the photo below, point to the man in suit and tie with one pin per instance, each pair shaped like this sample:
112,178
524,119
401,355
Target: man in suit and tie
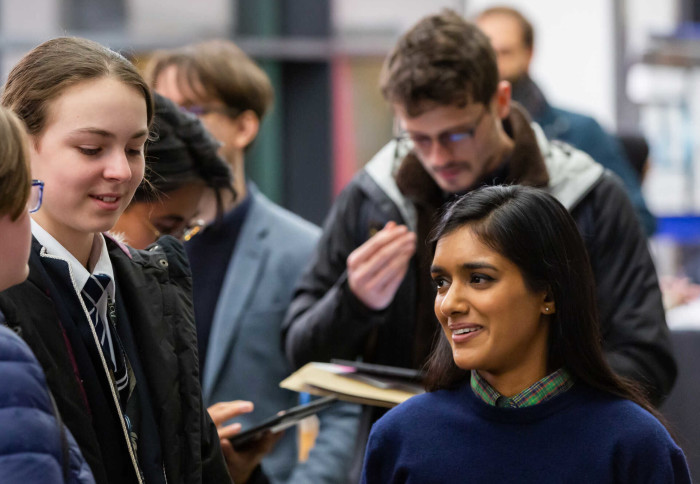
245,265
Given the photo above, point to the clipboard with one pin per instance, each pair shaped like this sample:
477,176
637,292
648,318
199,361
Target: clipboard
280,421
394,372
382,376
331,379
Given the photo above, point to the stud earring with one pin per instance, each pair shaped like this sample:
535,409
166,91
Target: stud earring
546,309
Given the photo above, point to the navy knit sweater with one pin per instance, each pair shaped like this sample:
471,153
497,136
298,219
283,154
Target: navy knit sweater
581,435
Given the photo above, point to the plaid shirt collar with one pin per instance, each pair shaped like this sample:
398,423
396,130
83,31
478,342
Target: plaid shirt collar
548,387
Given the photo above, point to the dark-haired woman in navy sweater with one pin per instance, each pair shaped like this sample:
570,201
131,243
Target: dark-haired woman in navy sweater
518,390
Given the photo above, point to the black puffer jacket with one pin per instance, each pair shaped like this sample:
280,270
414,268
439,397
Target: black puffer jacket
155,289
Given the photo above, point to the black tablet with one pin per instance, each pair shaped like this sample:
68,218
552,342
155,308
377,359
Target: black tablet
280,421
381,370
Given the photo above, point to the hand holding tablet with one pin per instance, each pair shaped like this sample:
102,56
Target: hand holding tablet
279,422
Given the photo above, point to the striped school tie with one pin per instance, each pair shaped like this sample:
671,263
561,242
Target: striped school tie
92,292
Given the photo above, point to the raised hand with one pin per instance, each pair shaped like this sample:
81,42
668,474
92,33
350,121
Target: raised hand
377,267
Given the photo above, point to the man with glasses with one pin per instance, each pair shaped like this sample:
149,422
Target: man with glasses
368,293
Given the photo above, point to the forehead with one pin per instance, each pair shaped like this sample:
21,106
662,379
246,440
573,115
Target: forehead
438,118
503,30
104,103
462,245
182,201
173,84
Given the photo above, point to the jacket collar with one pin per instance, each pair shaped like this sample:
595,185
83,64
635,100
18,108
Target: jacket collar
239,285
530,97
118,243
78,273
525,165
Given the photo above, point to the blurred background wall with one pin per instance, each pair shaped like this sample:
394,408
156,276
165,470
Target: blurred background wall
630,64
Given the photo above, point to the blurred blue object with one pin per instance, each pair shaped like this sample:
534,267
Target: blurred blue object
682,229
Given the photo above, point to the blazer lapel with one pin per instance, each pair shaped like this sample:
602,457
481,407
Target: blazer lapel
239,284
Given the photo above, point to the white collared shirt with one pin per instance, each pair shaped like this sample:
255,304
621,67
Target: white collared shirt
78,273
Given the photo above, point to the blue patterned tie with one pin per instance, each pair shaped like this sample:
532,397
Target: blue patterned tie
93,290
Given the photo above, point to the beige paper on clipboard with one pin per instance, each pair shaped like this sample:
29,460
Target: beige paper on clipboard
325,379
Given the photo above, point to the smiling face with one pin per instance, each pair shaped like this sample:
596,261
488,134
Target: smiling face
492,320
90,156
457,166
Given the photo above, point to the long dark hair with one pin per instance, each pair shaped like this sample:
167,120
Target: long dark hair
534,231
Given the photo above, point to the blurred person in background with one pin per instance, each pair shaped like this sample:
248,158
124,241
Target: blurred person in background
245,265
367,291
35,447
513,39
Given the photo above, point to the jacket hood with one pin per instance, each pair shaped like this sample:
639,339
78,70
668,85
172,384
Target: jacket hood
572,172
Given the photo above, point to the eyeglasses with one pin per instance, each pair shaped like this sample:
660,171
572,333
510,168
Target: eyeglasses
196,227
452,140
185,233
36,195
